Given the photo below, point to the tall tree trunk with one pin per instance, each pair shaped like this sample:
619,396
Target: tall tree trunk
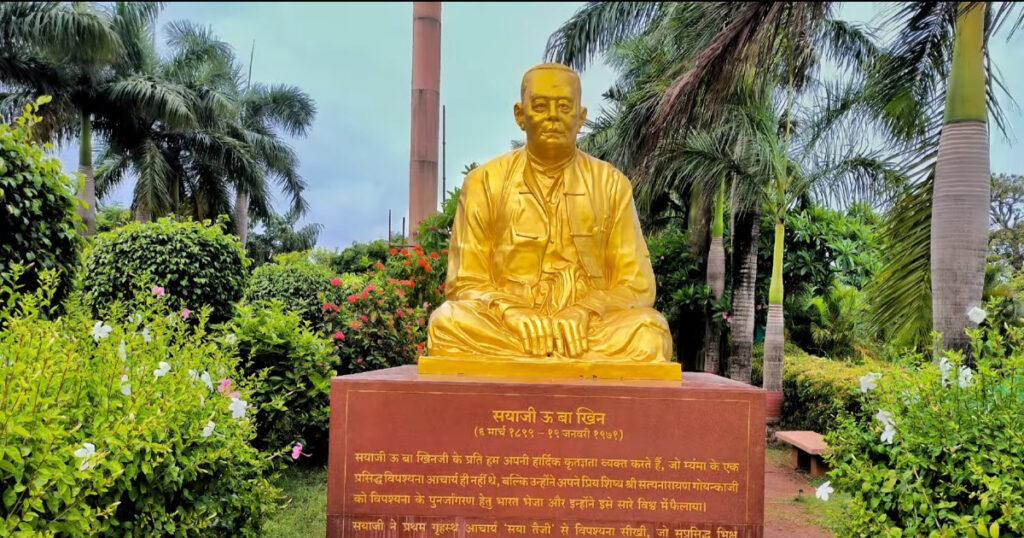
716,281
88,195
774,339
142,214
959,233
697,220
744,266
242,216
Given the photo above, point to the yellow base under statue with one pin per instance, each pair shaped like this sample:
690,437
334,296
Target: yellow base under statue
547,369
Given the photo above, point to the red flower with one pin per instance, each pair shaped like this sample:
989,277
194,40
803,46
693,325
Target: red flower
328,307
444,251
401,294
407,263
379,266
357,325
371,287
419,349
353,298
399,313
359,360
435,255
366,294
394,251
364,318
335,282
405,252
339,336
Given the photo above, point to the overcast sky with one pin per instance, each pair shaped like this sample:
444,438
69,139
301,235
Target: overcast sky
354,59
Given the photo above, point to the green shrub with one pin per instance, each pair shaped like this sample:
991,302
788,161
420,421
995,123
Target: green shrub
291,367
359,257
372,324
300,286
141,390
835,323
952,460
817,392
197,265
37,219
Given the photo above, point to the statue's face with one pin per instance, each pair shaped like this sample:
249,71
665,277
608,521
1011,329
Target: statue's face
550,111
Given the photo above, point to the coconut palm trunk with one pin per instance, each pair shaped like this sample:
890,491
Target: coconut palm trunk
88,195
141,212
716,281
242,216
959,228
774,340
744,275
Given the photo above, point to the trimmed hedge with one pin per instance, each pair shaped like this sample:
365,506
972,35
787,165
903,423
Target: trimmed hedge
300,286
196,264
818,391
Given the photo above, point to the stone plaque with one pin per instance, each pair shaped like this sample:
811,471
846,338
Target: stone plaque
426,456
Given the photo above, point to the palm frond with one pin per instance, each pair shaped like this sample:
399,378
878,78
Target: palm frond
154,97
596,27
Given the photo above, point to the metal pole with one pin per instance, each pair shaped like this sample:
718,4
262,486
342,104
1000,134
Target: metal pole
389,226
403,229
444,153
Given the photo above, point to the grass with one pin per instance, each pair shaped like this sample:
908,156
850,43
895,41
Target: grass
303,511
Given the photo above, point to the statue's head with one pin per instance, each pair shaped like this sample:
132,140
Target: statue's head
550,111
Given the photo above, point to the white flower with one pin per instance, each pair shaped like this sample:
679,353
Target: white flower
965,377
976,315
126,387
162,369
146,337
888,434
945,367
231,339
869,382
205,378
193,375
237,408
122,352
824,491
87,451
885,418
100,331
208,430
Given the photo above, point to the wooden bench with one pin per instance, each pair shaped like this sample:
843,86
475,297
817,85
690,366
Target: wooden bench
808,448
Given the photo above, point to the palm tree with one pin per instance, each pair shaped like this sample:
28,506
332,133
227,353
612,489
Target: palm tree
937,231
280,235
234,147
94,61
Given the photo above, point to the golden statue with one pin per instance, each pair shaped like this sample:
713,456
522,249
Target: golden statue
548,271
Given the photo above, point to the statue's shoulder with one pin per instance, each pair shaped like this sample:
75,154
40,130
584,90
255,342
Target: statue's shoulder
489,175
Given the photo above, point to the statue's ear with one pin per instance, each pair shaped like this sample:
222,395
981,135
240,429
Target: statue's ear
583,116
517,110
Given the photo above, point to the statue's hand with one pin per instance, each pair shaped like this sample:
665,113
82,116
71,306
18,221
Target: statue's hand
571,326
534,330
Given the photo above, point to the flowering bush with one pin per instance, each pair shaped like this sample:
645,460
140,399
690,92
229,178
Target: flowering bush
299,285
196,263
939,452
426,271
372,324
291,368
114,426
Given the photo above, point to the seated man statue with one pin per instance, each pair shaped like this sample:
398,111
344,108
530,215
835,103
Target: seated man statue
547,264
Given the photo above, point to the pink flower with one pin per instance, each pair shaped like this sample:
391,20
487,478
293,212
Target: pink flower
185,313
225,385
364,318
235,394
158,291
297,451
335,282
359,360
353,298
339,336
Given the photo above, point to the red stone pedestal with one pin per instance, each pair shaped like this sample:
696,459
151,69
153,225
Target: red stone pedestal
425,456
